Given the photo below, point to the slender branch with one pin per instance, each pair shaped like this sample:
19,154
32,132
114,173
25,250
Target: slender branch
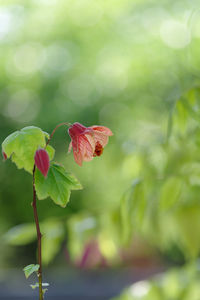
39,236
59,125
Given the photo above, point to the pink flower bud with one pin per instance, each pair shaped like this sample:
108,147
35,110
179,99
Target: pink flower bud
4,155
42,161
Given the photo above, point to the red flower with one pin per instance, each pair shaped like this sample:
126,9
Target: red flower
42,161
87,142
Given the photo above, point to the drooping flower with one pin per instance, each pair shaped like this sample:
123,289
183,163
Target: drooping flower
42,161
91,256
87,142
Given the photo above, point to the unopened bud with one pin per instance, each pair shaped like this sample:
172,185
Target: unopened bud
4,155
42,161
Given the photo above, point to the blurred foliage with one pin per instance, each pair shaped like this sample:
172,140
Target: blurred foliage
179,284
132,66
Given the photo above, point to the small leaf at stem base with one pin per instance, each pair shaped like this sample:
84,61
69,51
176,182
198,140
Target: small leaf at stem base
30,269
36,285
44,291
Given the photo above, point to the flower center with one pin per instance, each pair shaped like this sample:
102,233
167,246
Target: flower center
98,149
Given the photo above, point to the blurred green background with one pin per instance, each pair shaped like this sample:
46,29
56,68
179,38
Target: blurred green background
132,66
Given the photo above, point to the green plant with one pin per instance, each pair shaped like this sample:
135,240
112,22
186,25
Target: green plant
29,149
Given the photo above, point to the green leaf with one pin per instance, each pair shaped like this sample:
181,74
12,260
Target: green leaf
30,269
81,228
180,117
36,285
51,151
186,114
21,146
170,124
170,192
57,185
188,222
44,291
20,235
52,239
132,209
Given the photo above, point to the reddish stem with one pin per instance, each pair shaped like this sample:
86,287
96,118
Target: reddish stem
59,125
39,237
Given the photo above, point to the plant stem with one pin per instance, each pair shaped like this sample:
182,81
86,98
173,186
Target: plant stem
39,236
59,125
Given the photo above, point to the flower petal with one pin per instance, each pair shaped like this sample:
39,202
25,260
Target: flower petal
76,151
102,129
100,137
77,129
70,147
86,148
82,149
91,140
78,157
